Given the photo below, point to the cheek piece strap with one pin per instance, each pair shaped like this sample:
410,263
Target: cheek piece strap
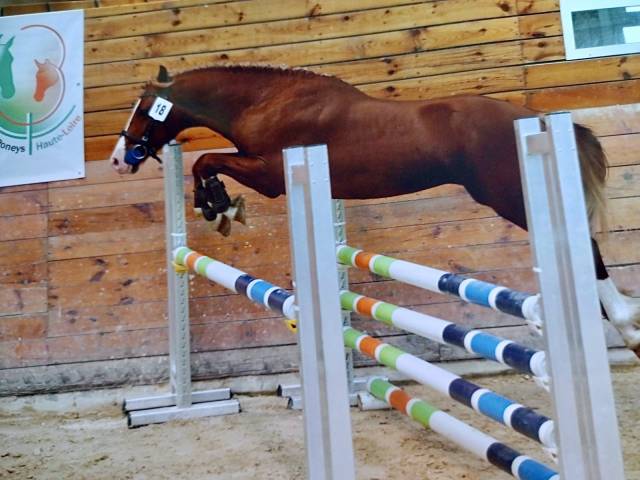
141,150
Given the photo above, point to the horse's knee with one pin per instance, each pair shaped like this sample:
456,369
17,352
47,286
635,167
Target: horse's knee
271,187
271,192
202,168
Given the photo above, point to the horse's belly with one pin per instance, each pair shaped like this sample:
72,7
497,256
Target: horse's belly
376,176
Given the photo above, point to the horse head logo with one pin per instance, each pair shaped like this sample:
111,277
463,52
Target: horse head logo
47,76
7,87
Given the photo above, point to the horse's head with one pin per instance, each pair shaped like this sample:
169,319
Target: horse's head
7,86
150,126
46,77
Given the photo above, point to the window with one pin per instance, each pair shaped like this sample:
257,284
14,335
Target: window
597,28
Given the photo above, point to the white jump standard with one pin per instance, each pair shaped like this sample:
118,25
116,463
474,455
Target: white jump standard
583,401
328,431
182,402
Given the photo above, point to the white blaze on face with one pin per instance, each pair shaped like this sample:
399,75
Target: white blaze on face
117,156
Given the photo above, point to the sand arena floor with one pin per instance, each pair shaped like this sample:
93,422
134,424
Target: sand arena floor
68,437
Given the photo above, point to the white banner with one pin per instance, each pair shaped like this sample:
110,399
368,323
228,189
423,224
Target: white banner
41,97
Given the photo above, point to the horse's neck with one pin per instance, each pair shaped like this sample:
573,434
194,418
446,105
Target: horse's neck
218,99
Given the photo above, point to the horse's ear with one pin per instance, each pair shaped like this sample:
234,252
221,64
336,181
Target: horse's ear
38,64
163,75
164,80
10,42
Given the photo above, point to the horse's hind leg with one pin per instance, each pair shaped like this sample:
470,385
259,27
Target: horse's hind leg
622,310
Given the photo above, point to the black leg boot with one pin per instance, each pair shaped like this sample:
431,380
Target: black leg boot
216,195
200,201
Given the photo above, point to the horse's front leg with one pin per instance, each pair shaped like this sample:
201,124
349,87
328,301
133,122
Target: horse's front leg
257,173
210,194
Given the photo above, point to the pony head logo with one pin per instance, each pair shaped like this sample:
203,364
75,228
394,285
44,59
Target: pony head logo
32,82
7,87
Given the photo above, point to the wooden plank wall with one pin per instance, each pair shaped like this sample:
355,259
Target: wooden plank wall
82,282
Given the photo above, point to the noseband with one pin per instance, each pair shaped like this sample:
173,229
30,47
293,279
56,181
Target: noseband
141,148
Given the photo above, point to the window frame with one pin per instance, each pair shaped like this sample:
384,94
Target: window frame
567,7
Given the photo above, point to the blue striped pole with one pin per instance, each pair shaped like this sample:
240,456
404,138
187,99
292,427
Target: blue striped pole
463,435
501,409
259,291
507,352
502,299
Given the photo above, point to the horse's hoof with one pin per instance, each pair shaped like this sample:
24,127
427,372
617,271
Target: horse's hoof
631,337
208,213
240,215
225,226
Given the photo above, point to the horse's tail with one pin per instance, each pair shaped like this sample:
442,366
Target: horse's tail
593,166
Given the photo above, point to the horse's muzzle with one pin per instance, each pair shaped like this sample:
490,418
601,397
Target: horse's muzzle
121,167
118,156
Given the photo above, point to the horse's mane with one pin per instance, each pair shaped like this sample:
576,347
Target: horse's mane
266,69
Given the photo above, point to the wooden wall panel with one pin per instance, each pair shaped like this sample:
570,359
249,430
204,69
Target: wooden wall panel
583,71
220,14
583,96
290,31
82,261
526,7
622,149
314,53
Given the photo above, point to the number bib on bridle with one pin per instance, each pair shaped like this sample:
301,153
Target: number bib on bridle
160,109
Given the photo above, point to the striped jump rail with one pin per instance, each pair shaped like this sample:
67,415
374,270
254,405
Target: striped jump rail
501,409
507,352
502,299
460,433
259,291
505,411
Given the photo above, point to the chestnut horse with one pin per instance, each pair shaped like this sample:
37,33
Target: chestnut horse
377,148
